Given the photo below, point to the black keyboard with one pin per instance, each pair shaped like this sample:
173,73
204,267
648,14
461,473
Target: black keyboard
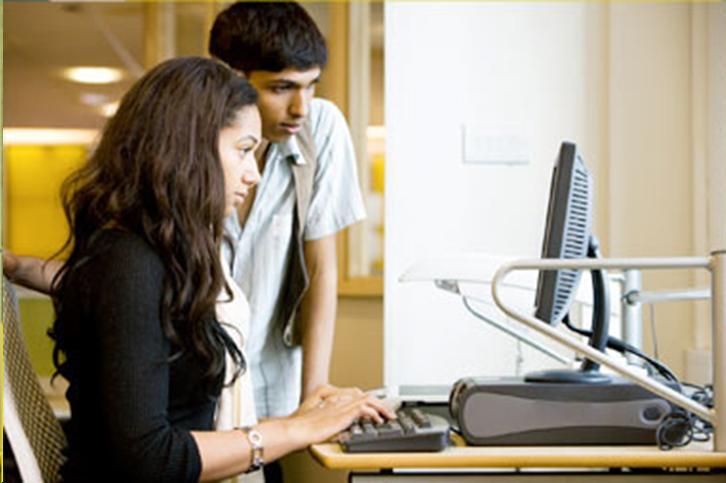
413,430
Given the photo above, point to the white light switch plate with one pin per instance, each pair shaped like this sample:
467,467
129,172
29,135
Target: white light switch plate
495,146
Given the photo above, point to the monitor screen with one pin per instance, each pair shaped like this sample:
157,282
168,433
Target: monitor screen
567,233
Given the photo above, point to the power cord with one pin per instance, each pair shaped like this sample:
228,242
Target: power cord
679,427
623,347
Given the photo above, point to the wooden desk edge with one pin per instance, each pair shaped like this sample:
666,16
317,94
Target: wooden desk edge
331,456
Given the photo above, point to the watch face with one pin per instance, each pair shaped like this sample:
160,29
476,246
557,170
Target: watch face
255,437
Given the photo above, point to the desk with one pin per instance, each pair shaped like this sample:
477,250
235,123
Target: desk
537,463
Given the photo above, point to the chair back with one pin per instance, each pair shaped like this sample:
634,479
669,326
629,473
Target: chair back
36,437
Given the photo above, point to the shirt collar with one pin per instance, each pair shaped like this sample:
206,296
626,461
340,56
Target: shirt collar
289,148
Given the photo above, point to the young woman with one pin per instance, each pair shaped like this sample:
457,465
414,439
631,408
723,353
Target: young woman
136,332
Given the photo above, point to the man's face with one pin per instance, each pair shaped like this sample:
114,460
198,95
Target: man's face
284,99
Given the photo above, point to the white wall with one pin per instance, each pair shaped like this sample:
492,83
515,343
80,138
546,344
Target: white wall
486,66
617,79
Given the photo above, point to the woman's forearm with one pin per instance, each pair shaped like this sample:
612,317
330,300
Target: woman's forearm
228,453
31,272
326,413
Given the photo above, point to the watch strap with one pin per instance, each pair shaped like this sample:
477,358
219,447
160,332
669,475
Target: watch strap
257,449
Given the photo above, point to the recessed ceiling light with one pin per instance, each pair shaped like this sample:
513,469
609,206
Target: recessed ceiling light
93,99
93,75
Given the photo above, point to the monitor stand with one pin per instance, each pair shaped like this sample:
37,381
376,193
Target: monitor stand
589,372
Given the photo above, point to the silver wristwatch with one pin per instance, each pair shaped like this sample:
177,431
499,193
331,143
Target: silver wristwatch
256,449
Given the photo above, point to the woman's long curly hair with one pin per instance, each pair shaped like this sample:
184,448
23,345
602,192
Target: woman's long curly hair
157,173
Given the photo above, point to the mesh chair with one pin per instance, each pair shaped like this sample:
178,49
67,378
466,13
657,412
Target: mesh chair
35,436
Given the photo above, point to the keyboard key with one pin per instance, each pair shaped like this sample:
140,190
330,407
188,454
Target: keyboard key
420,418
406,423
368,428
391,428
356,433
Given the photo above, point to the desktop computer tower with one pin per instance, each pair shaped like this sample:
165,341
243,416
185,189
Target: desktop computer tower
512,411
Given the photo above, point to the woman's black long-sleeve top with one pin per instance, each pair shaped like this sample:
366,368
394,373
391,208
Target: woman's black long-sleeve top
132,405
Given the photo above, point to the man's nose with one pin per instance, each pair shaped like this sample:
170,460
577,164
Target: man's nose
299,104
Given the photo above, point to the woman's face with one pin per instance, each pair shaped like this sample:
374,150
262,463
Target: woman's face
237,143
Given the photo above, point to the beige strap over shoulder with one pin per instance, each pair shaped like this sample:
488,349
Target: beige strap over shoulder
304,174
298,280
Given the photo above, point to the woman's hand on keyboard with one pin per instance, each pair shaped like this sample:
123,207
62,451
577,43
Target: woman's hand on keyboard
327,394
330,410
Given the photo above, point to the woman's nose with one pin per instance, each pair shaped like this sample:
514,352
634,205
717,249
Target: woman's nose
251,176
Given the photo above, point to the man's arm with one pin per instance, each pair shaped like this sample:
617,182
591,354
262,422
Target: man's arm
317,312
30,272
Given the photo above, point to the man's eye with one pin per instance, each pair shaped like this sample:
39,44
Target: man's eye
279,89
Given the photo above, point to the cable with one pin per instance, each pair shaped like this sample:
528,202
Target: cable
675,430
680,427
623,347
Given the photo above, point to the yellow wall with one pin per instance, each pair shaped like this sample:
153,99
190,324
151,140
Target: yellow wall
36,317
34,224
34,221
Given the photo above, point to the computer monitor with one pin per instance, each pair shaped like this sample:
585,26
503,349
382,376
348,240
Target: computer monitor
568,235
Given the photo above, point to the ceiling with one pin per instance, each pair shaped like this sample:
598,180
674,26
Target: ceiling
42,38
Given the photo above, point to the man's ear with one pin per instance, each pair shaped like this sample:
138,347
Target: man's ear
236,71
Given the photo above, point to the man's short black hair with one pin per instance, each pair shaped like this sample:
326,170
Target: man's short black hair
267,36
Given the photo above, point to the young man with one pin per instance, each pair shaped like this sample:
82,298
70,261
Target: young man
284,240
